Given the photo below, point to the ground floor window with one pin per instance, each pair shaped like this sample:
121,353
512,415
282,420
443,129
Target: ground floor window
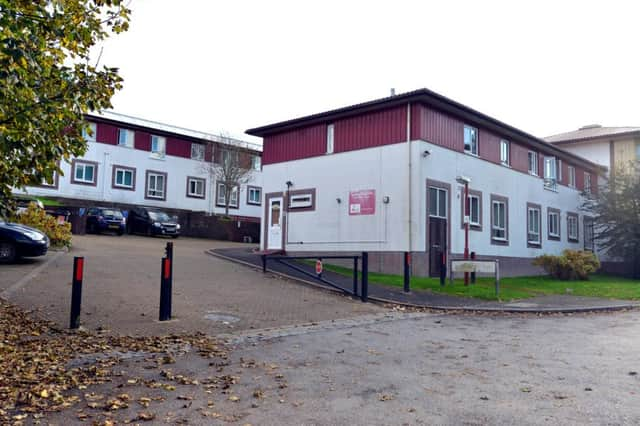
156,185
533,225
572,227
221,196
254,195
553,224
499,220
195,187
124,177
84,172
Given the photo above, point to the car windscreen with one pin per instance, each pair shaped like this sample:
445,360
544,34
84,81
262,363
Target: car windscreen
160,216
117,214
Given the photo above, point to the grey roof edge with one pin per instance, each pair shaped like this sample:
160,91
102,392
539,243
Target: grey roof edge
608,136
431,98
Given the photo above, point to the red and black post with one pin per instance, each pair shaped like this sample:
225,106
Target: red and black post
473,274
166,283
407,272
76,292
364,292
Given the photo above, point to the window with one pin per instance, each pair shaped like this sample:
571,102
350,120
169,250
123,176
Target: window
437,202
195,187
504,152
54,181
587,182
330,131
302,200
533,162
471,140
89,134
84,172
553,224
197,151
156,185
125,138
572,176
550,172
533,225
221,197
123,177
499,219
638,151
254,195
256,162
588,224
559,171
572,227
158,145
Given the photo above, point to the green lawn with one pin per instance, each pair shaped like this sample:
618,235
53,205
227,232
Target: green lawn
513,288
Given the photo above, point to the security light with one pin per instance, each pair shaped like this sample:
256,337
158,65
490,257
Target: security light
463,180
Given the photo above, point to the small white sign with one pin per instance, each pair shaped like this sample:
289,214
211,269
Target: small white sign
354,209
484,266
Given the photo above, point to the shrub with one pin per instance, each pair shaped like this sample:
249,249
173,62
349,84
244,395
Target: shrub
571,265
59,233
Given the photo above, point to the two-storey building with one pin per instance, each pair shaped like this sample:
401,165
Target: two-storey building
387,176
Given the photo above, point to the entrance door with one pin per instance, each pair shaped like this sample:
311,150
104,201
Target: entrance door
438,202
274,224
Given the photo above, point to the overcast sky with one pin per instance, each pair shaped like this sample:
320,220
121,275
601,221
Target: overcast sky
542,66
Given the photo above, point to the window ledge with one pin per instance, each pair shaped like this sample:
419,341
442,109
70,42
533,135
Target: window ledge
158,156
507,165
472,154
548,188
502,240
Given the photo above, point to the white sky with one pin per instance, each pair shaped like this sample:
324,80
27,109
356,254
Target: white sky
543,66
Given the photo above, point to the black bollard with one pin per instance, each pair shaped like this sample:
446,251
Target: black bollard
165,290
407,272
365,277
76,292
473,274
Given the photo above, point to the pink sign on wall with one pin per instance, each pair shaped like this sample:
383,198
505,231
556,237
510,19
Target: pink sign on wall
362,202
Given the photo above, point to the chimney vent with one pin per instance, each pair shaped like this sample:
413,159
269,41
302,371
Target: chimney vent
590,126
393,91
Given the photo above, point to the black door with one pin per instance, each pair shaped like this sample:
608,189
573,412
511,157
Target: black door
437,245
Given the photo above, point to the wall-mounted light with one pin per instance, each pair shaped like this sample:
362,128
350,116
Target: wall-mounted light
338,200
289,184
386,199
426,153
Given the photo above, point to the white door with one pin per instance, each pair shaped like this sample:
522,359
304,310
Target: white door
274,223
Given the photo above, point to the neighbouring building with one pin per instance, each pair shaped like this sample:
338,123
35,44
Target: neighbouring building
613,147
135,162
382,177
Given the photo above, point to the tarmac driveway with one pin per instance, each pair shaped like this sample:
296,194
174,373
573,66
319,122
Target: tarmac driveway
121,289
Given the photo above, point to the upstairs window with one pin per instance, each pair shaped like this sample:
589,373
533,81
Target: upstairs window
550,172
125,138
89,133
559,166
330,132
572,176
197,151
533,225
505,153
256,162
587,182
533,162
158,145
470,140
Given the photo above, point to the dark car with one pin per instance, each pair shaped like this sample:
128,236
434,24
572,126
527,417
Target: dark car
103,219
147,221
21,241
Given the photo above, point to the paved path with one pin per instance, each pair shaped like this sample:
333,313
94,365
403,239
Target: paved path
121,289
550,303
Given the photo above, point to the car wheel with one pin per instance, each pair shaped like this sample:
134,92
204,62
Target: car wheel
7,252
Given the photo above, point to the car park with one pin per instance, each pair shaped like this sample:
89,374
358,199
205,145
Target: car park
148,221
105,219
21,241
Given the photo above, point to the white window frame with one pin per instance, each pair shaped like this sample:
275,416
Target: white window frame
124,171
478,222
157,194
536,222
129,137
198,182
532,163
197,151
94,132
550,222
587,183
330,138
439,199
572,176
495,217
254,190
160,148
575,220
301,201
559,171
256,162
473,144
81,165
550,172
505,152
221,199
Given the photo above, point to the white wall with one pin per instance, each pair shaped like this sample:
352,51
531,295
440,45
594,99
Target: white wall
385,169
177,169
597,151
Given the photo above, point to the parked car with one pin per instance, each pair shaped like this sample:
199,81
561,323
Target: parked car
102,219
142,220
21,241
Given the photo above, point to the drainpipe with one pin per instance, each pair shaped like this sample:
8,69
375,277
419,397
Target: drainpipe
104,176
407,254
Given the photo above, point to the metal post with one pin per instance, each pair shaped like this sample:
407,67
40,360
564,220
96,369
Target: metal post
467,215
355,276
76,292
165,290
407,272
497,277
365,276
264,263
473,274
443,270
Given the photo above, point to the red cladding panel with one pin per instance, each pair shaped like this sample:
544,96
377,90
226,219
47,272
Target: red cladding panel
106,133
370,130
437,128
142,141
489,146
579,178
519,158
294,145
178,147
